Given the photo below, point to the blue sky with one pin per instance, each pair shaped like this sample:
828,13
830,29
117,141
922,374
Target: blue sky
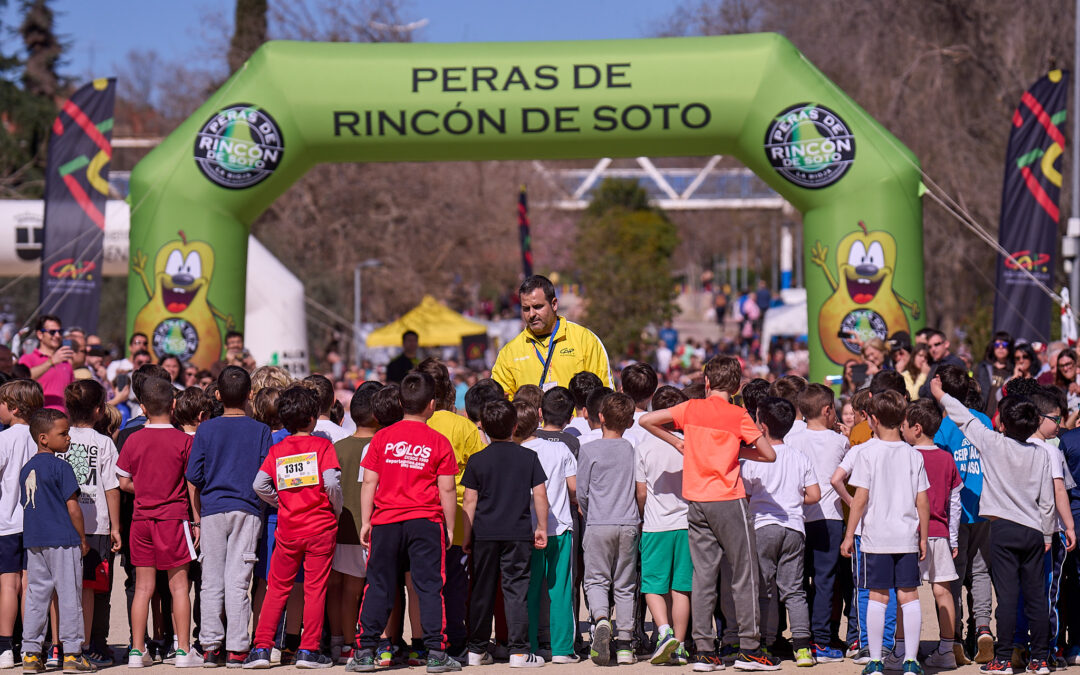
101,32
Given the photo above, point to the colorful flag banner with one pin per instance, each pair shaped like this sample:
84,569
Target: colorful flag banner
524,234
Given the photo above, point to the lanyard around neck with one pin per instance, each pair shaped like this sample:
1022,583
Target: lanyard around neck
546,363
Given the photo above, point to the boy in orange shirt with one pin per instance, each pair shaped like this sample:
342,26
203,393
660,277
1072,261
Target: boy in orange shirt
718,517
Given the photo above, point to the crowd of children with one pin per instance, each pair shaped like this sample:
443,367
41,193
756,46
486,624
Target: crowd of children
729,512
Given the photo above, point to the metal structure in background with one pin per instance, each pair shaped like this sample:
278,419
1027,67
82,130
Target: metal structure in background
358,273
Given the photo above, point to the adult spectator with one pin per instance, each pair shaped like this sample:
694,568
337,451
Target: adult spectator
235,354
669,335
939,356
1063,377
78,361
1025,362
50,363
995,370
876,355
172,365
763,297
551,349
138,341
397,369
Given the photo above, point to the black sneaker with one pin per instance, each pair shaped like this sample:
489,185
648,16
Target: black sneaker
756,659
361,661
306,658
706,662
440,662
233,660
257,658
213,658
996,665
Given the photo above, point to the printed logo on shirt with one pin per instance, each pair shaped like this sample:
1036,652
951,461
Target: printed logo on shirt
967,459
567,351
407,455
83,459
295,471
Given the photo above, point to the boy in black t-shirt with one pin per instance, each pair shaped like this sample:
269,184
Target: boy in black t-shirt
496,504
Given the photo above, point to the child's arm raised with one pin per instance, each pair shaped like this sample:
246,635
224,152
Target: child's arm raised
468,507
367,505
448,497
540,503
761,451
858,508
75,513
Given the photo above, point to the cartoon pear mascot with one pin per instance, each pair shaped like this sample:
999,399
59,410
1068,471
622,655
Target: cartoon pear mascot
863,304
178,317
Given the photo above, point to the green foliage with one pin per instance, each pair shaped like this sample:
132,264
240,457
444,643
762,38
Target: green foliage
623,255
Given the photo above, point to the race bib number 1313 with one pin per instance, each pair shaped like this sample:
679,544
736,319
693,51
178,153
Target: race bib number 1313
297,471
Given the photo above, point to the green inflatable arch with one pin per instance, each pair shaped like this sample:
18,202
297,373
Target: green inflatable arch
755,97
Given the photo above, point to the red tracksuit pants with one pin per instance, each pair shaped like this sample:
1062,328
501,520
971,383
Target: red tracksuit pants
315,554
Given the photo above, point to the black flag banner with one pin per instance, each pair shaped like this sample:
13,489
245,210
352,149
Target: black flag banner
76,187
1029,209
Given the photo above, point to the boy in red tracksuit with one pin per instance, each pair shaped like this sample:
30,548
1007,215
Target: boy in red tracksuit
302,478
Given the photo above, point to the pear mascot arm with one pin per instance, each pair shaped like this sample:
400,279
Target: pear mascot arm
138,265
819,255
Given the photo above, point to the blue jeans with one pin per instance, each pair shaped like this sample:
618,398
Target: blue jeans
822,561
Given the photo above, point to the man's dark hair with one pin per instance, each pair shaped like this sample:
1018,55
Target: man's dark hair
534,282
1019,417
925,332
527,420
386,405
788,387
42,420
639,383
297,407
234,385
140,352
157,396
752,393
667,397
888,408
44,318
233,334
531,394
777,415
479,395
145,371
191,405
324,389
83,399
408,333
444,388
888,380
596,399
814,398
360,407
581,385
618,412
417,391
926,413
498,420
954,381
557,406
136,335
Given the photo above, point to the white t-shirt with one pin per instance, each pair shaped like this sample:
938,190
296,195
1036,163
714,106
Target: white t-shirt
776,489
660,467
16,449
580,424
559,464
591,435
635,434
93,458
1058,468
117,367
825,449
328,429
894,474
797,427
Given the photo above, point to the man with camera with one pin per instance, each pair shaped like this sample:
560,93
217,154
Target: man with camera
50,363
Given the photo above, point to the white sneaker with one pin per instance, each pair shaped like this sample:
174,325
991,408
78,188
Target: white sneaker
137,659
526,661
939,659
7,659
625,657
188,659
482,659
275,656
566,658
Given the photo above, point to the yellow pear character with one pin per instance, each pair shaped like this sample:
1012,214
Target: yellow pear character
863,304
178,317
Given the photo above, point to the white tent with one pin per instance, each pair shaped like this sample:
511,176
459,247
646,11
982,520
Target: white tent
274,324
785,320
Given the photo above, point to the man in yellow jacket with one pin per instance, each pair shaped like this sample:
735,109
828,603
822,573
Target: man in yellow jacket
551,349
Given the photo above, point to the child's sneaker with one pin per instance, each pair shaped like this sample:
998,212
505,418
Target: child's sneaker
985,645
418,655
136,659
892,660
188,659
680,657
756,659
862,658
873,667
386,655
344,654
600,652
826,654
287,657
624,653
78,664
706,662
481,659
852,650
306,658
231,659
7,659
563,659
996,666
31,663
803,658
958,654
440,662
526,661
257,658
1038,667
912,666
728,653
666,645
362,661
940,659
54,659
1072,655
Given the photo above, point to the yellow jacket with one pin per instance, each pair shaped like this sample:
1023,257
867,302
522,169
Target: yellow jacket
466,441
576,349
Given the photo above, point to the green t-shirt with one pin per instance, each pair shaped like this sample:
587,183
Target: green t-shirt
350,451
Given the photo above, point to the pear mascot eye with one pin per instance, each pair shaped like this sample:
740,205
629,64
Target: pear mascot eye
175,264
876,255
857,255
193,265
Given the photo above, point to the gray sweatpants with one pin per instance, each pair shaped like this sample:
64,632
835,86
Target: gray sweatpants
228,547
49,569
973,567
780,559
722,530
611,566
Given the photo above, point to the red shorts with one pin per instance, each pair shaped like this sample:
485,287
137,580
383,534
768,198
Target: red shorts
161,544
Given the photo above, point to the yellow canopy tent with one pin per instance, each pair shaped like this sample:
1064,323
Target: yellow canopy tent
435,323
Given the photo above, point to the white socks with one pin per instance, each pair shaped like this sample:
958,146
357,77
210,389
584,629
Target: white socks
912,617
875,627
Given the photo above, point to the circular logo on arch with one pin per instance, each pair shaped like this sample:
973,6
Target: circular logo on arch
810,145
239,147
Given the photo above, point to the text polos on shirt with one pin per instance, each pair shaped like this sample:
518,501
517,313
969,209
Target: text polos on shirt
407,455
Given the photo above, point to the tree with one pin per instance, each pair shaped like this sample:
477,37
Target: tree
623,255
249,31
43,50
